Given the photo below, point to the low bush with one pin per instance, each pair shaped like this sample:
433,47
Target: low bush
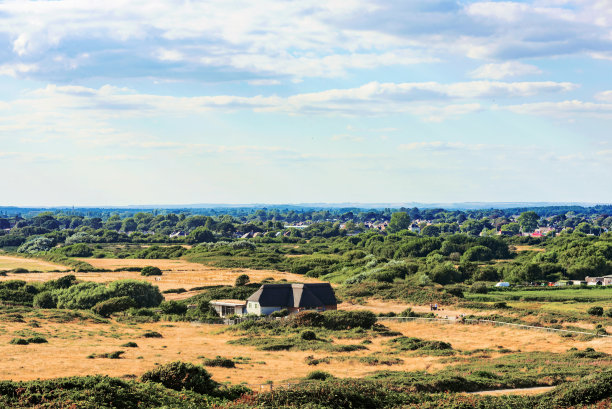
37,340
44,300
109,355
150,271
308,335
242,280
596,311
181,375
220,362
152,334
174,291
318,376
130,345
414,344
18,341
173,307
113,305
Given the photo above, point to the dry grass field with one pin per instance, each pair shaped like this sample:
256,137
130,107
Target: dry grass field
10,263
71,343
176,274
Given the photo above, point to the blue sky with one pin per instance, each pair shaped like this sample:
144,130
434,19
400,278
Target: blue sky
175,102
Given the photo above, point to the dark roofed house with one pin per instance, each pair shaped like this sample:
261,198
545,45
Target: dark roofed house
294,297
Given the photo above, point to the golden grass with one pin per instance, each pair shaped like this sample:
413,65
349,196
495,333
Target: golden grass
176,274
71,343
528,248
66,355
382,306
12,262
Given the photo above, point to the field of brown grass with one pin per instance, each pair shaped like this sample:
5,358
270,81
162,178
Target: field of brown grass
176,274
71,343
11,262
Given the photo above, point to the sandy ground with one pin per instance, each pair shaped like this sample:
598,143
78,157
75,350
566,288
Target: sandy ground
71,343
10,262
176,274
522,391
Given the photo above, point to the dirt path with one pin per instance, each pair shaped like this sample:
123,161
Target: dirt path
522,391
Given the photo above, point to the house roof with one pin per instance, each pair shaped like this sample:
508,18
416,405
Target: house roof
228,302
294,295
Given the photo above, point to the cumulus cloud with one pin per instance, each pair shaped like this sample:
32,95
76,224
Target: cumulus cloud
307,38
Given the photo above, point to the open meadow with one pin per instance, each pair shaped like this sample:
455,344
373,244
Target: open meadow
176,273
74,338
30,264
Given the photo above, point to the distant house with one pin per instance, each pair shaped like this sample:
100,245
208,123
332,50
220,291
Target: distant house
226,308
178,234
294,297
415,228
604,280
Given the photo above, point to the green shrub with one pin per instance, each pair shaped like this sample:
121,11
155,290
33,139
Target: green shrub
181,375
174,291
241,280
319,376
44,300
37,340
150,271
596,311
173,307
220,362
281,313
340,320
479,288
77,250
18,341
113,305
143,293
412,344
109,355
130,345
152,334
500,305
20,271
308,335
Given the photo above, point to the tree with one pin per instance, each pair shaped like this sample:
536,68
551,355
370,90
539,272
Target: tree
399,221
431,231
514,228
528,221
35,245
242,280
201,235
150,271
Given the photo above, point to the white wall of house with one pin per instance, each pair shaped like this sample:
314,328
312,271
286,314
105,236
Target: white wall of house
255,308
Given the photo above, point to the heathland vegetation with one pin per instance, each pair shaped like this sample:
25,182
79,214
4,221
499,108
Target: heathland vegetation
53,294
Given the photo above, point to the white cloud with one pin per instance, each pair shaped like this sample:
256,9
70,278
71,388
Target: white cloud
605,96
305,38
563,109
15,70
264,82
499,71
